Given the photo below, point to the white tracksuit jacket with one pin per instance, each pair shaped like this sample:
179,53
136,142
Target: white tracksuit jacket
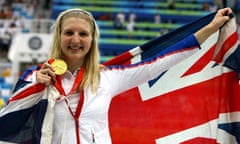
93,121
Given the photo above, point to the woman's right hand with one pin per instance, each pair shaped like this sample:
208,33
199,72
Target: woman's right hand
45,74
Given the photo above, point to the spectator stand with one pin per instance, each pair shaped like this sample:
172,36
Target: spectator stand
114,40
6,83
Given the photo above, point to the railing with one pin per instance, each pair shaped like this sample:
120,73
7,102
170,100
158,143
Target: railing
30,25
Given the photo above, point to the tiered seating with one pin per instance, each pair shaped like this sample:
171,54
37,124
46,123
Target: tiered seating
145,10
6,83
114,41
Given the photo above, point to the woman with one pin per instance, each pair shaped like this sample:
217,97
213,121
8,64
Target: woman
86,89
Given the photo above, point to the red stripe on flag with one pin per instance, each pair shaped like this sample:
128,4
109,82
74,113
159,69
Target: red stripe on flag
28,92
228,44
202,62
121,59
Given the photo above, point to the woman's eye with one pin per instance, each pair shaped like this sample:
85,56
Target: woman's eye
83,34
69,33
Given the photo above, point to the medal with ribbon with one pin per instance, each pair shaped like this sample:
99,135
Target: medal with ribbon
60,68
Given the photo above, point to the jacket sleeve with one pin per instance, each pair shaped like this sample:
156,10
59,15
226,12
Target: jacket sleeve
126,77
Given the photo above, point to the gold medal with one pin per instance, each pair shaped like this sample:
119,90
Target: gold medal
59,66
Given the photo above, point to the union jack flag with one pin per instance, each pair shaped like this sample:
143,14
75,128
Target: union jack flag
194,102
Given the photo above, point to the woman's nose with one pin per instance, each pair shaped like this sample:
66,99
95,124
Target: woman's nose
75,38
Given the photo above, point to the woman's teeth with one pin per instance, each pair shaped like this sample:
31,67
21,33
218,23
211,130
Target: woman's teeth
75,48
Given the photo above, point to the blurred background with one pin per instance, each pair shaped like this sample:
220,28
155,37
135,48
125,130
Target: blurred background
26,27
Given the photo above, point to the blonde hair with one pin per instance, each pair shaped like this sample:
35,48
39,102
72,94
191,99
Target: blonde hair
91,63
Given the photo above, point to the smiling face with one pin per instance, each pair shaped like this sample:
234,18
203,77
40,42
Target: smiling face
76,40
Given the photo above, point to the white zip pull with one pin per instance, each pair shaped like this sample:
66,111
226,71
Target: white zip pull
93,137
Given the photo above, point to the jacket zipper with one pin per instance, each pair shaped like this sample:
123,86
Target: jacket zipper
93,137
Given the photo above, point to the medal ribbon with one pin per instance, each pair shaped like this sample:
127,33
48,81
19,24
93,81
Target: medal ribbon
77,81
58,83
